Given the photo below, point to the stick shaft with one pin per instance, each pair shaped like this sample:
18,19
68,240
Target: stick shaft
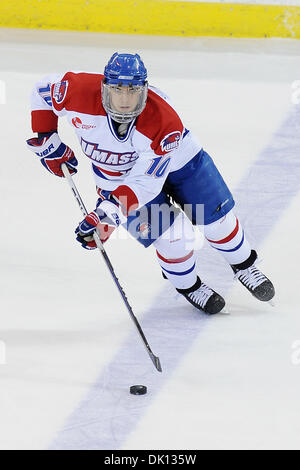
99,244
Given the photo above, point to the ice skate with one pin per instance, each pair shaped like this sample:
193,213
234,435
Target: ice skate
203,297
256,282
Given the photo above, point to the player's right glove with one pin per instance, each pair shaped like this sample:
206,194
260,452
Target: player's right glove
106,217
52,153
85,230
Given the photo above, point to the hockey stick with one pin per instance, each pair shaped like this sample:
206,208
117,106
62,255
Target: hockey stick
154,359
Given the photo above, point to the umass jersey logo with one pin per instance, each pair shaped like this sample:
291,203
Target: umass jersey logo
107,157
170,142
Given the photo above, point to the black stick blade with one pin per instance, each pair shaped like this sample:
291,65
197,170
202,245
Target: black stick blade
156,362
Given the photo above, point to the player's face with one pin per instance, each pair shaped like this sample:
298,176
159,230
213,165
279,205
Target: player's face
124,99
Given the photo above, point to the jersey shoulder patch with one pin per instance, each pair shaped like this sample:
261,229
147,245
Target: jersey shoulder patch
171,141
79,92
161,124
59,91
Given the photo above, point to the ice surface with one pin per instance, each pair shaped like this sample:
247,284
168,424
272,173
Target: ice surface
228,381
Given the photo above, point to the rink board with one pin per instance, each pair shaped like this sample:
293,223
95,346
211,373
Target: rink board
155,17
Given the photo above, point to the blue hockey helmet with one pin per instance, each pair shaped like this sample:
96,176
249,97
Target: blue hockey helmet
124,70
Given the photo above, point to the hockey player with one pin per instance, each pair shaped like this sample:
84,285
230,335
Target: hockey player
152,175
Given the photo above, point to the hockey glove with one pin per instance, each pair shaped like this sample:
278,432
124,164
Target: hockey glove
106,217
53,152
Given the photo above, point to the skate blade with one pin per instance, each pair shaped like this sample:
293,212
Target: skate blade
271,303
224,311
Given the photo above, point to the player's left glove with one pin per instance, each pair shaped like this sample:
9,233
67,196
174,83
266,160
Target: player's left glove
106,217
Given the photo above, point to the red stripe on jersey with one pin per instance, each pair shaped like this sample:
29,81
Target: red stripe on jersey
157,121
110,173
83,94
127,198
175,260
43,120
230,237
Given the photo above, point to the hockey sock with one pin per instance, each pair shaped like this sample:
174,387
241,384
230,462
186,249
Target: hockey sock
175,253
227,236
247,263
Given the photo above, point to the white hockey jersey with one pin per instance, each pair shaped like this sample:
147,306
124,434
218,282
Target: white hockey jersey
134,167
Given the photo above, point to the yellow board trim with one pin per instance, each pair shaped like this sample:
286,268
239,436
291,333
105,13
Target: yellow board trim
158,17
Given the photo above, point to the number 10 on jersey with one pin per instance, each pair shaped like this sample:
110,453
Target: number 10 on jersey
158,167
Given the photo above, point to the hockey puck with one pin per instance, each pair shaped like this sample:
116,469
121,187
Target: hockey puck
138,389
